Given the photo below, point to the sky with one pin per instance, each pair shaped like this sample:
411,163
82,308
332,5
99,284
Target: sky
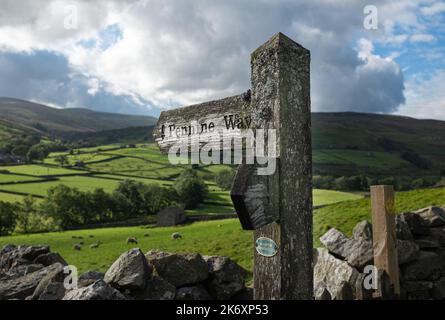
145,56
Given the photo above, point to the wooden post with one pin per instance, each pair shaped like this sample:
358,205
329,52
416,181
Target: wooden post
384,233
281,101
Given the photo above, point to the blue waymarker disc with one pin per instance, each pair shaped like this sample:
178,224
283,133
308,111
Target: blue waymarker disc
266,247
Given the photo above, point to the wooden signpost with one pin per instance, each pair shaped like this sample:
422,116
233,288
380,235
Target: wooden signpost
278,206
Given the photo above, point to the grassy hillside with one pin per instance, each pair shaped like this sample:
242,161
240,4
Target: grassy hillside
106,166
345,215
223,237
344,144
211,238
27,116
353,143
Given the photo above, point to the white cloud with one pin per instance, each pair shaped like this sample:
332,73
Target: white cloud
422,37
93,86
434,9
180,52
425,96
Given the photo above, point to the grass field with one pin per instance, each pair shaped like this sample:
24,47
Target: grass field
345,215
222,237
324,197
209,238
82,183
145,164
11,178
86,158
39,170
10,197
377,160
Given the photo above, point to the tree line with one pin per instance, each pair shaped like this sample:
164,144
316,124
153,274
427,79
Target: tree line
66,207
362,182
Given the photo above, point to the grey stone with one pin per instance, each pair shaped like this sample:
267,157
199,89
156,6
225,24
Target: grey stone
362,230
244,295
403,231
19,269
427,267
130,271
345,292
179,269
358,253
21,255
321,292
171,217
438,291
226,278
337,243
89,278
53,291
192,293
7,248
361,293
46,290
33,268
434,216
407,251
427,242
439,235
413,286
99,290
24,286
157,289
333,272
417,225
418,290
49,259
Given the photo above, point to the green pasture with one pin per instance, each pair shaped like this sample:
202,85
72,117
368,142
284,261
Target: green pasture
376,159
40,170
223,237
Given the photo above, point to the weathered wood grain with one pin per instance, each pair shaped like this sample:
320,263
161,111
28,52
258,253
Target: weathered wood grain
281,100
384,233
251,198
204,122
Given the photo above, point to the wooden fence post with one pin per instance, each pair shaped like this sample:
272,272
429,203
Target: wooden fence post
281,101
384,233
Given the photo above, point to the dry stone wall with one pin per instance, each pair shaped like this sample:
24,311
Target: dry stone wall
339,267
35,273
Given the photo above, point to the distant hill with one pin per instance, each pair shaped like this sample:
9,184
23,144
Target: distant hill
24,116
377,132
351,143
344,143
124,135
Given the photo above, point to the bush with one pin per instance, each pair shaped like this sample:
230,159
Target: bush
132,199
30,219
67,206
417,160
190,188
7,218
323,182
224,179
